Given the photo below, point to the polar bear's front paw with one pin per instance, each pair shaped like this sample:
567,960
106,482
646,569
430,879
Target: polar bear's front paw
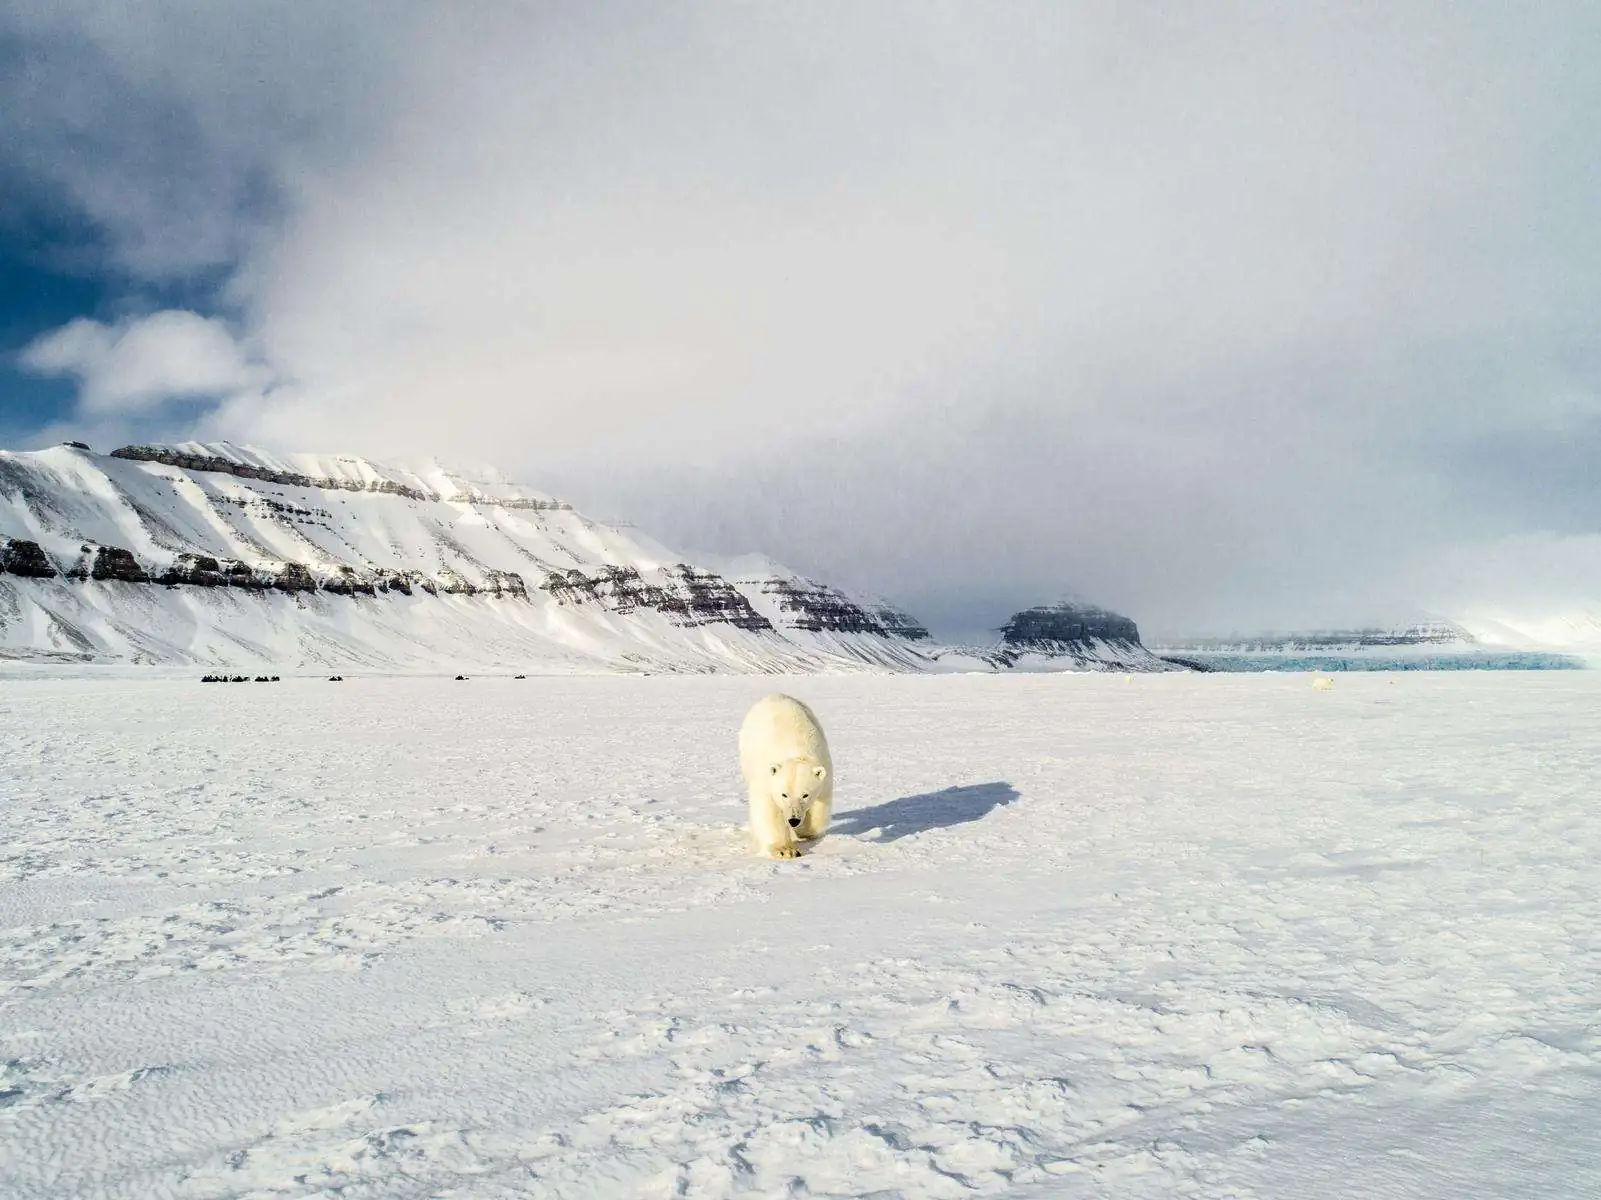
786,850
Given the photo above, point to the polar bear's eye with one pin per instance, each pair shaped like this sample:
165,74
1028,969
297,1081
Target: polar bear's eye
775,768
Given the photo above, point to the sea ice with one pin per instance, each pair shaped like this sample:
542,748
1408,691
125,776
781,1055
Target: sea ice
1071,935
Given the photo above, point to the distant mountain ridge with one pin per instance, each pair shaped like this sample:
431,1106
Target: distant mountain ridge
1427,632
1431,643
219,555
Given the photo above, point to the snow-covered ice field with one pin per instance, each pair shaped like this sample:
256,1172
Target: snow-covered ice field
1073,935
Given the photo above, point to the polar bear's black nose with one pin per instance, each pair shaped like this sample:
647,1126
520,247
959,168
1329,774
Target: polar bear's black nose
794,822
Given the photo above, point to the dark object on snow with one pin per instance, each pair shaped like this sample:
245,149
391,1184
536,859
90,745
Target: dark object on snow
113,562
242,575
293,577
26,558
461,677
336,679
78,445
274,679
200,570
520,677
345,582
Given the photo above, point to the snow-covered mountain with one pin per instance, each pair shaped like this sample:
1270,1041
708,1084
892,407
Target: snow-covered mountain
1574,631
223,555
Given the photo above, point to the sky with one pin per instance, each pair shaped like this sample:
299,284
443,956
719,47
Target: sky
1230,317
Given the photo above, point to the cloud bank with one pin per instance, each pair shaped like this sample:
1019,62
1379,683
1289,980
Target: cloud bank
140,364
1229,317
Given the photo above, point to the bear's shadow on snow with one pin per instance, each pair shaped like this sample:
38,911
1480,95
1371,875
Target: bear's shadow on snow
895,819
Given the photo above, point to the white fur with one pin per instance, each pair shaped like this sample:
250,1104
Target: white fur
784,758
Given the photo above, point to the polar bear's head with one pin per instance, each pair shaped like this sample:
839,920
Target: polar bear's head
793,784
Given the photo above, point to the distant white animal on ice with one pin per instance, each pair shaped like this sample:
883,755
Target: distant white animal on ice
1323,683
784,757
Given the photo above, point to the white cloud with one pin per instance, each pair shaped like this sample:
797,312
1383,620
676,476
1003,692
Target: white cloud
1222,316
138,364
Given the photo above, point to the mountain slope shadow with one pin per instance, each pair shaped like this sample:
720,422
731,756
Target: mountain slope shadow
931,810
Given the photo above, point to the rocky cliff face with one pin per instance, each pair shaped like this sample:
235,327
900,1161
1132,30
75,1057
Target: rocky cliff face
113,562
899,624
819,608
25,558
688,597
792,601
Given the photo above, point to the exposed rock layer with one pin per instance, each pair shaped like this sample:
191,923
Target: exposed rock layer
818,608
113,562
900,624
690,597
1053,625
169,456
25,558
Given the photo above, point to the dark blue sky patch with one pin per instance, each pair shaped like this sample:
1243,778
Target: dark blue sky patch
35,298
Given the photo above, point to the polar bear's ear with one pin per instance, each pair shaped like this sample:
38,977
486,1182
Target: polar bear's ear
775,769
819,771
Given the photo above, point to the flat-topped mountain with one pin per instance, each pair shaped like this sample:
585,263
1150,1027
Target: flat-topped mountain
1066,636
1066,625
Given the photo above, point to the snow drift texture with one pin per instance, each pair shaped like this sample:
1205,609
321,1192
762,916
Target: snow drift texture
222,555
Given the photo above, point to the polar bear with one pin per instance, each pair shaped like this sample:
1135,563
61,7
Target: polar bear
784,757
